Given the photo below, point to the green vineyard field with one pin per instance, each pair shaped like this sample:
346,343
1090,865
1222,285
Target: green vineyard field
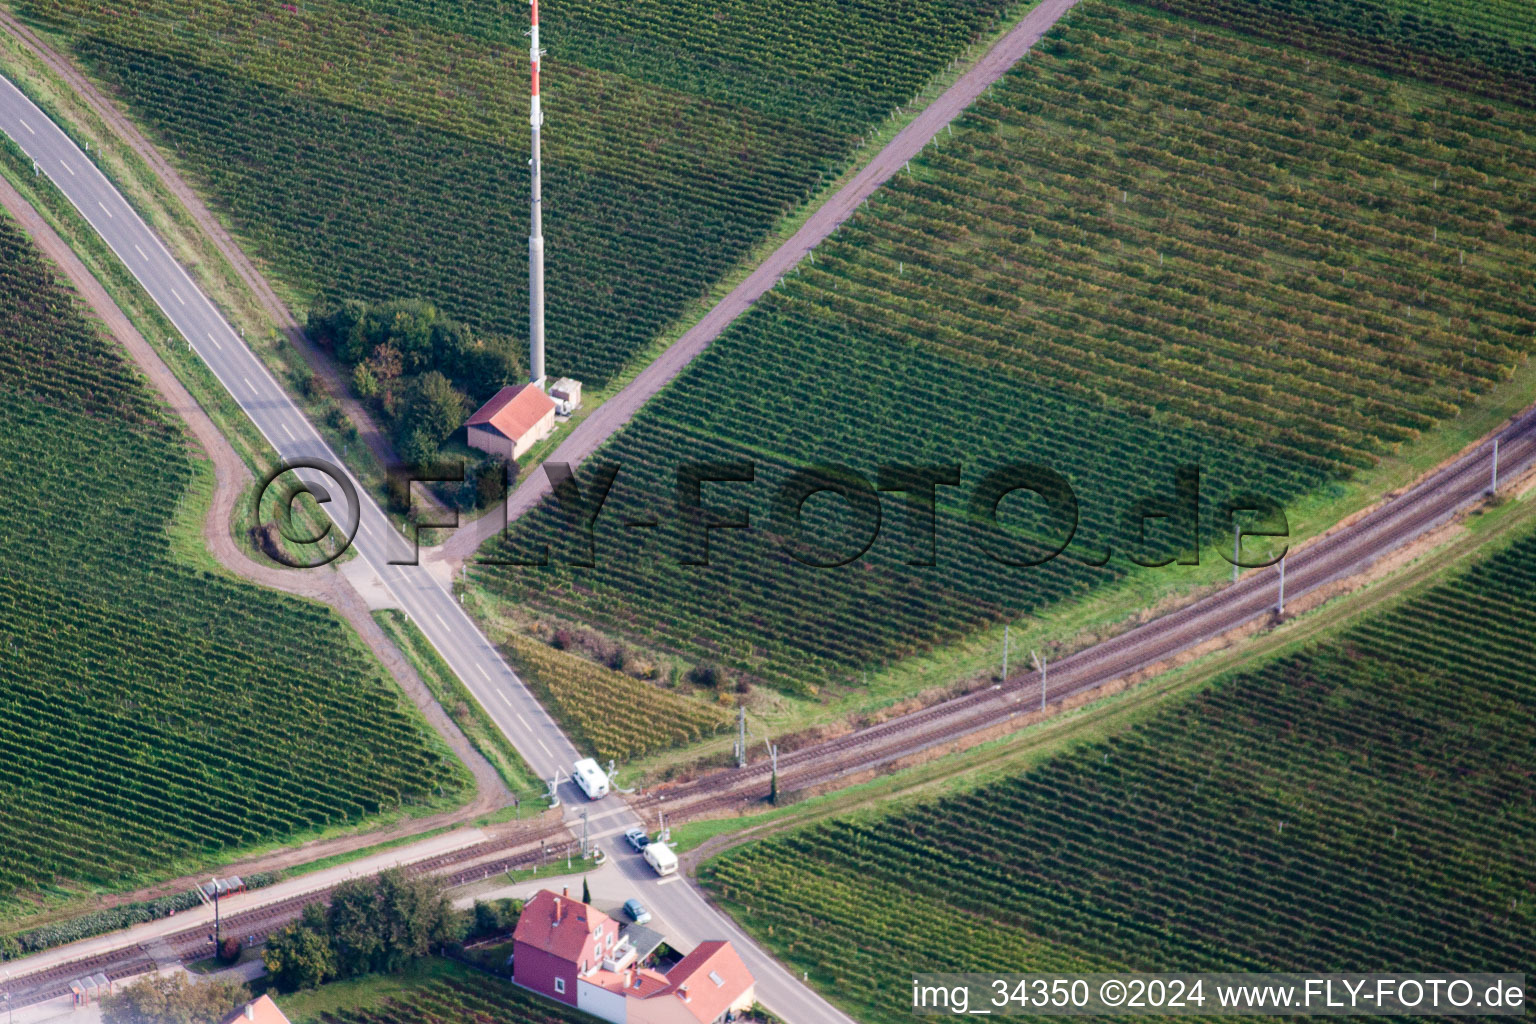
1141,249
154,716
462,1002
1481,46
1364,803
439,993
608,713
379,156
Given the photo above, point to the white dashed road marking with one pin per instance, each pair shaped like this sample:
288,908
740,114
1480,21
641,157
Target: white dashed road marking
68,168
140,252
249,384
216,343
289,433
104,208
26,126
178,296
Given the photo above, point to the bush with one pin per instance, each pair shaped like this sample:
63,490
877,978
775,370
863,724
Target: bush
303,380
493,481
364,384
493,918
707,674
229,951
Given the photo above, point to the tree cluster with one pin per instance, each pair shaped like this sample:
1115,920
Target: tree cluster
421,370
174,999
371,926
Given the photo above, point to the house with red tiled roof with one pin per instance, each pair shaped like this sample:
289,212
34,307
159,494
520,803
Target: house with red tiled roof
516,419
710,984
575,953
559,940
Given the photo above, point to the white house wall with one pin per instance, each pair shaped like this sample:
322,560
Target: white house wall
600,1002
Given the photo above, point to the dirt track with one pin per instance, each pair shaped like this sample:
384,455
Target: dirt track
618,410
329,587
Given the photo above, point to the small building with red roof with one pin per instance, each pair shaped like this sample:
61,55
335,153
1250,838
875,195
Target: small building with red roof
516,419
575,953
258,1011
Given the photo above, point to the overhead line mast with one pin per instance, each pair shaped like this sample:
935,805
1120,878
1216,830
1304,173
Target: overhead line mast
536,227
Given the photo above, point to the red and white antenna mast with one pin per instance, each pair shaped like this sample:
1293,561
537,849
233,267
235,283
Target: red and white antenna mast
536,227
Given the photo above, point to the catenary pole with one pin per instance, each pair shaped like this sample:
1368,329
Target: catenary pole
1280,604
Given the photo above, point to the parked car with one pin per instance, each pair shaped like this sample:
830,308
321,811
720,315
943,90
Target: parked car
636,911
637,839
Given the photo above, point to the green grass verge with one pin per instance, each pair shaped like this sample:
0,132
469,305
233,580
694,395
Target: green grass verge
461,705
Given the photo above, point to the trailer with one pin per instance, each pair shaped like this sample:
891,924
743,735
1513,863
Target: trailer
661,858
592,779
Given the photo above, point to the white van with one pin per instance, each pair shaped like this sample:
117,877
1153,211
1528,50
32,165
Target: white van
661,858
592,779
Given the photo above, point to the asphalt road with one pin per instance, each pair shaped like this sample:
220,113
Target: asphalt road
427,599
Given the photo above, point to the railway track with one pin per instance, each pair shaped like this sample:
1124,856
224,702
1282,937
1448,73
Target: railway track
254,924
1337,555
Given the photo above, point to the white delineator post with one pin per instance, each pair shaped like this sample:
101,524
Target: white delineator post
536,226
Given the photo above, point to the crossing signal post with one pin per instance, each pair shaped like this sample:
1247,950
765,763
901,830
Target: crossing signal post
1040,664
